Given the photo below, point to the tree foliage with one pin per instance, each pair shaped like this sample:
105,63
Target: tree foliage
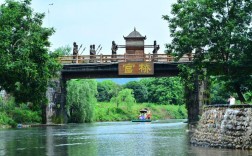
219,93
219,34
63,50
81,100
25,64
139,90
164,90
125,97
106,90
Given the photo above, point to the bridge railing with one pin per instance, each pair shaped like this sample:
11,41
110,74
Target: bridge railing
83,59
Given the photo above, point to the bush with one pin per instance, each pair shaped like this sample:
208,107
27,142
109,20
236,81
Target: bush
25,116
177,111
6,120
7,105
12,113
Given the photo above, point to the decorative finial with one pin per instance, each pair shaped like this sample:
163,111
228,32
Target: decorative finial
134,28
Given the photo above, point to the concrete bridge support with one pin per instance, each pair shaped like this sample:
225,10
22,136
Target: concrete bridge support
56,112
56,95
62,110
196,99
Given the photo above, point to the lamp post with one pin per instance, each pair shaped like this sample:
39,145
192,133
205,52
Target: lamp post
49,13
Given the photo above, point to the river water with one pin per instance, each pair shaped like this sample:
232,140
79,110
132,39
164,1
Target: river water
158,138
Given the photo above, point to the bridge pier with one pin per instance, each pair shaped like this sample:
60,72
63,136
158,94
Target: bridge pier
192,105
61,113
196,99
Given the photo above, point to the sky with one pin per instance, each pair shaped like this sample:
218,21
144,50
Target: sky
100,22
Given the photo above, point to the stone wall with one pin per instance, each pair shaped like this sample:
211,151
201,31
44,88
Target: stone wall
225,127
52,95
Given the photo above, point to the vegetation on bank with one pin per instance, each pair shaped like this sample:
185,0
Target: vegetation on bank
11,114
26,64
82,105
103,111
110,112
163,96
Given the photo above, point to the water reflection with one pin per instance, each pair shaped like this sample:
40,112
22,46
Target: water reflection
106,139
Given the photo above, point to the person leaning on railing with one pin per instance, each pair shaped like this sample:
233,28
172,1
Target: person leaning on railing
231,100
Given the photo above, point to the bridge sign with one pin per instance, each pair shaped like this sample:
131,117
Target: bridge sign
135,68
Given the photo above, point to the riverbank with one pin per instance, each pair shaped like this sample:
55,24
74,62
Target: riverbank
19,117
4,126
109,111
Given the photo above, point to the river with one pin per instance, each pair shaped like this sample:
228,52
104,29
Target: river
158,138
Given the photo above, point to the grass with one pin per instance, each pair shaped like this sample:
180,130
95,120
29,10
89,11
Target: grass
109,112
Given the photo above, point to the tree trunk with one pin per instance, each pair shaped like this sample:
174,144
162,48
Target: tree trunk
239,93
44,114
192,105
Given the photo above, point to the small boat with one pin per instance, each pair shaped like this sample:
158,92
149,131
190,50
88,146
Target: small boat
141,120
144,116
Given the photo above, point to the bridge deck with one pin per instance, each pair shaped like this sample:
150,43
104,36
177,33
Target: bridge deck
106,66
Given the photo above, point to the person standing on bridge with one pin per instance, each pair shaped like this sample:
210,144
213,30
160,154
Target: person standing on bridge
231,100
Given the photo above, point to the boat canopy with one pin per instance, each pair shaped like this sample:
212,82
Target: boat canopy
143,111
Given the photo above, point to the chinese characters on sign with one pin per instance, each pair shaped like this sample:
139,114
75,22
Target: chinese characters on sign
136,68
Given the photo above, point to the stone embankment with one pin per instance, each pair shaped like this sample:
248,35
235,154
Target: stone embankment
225,127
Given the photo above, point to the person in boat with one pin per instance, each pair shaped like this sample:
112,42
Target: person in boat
144,114
148,116
148,113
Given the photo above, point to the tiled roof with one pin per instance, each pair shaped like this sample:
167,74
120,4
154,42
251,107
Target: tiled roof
135,34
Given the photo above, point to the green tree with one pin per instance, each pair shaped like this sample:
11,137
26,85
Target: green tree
164,90
219,35
63,51
25,64
219,92
125,97
81,100
139,90
106,90
248,96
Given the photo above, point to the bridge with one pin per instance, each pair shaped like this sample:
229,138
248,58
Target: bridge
135,62
106,66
